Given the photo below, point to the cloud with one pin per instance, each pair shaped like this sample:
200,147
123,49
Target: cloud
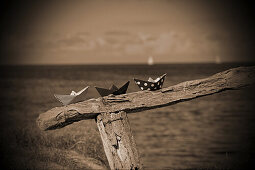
117,33
134,49
82,34
71,41
120,44
172,44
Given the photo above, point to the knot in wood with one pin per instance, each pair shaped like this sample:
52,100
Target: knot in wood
108,118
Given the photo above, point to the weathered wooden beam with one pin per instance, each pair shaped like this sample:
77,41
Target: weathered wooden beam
144,100
118,141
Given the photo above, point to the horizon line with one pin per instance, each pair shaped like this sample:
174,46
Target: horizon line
77,64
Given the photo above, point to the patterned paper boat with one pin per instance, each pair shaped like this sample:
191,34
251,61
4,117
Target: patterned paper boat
151,84
73,97
113,90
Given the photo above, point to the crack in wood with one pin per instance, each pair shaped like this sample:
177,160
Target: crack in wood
67,114
118,139
112,99
112,120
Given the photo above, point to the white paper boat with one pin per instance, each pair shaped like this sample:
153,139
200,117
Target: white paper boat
73,97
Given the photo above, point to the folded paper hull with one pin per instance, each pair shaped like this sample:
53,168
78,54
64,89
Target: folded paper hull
81,95
104,92
122,90
113,90
147,85
64,99
73,97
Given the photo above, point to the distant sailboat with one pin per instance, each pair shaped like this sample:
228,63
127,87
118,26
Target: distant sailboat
217,59
150,61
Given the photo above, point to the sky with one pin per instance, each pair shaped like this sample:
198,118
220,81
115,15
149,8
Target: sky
112,32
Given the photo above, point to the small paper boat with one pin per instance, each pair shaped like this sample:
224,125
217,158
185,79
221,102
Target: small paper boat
151,84
113,90
73,97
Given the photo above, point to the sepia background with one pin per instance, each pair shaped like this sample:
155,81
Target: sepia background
49,47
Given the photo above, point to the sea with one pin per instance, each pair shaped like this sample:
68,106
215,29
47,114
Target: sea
210,132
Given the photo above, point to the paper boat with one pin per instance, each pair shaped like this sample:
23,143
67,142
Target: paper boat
113,90
73,97
151,84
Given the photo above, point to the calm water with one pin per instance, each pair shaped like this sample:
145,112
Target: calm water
215,131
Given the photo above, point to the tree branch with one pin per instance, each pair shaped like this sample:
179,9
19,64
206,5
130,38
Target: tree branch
144,100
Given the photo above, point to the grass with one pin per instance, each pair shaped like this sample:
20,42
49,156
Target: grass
25,146
29,148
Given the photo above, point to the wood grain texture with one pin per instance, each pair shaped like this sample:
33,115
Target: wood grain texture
118,141
143,100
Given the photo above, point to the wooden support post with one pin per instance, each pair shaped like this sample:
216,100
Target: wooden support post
118,141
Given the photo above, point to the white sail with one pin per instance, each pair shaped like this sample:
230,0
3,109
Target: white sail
150,61
217,59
